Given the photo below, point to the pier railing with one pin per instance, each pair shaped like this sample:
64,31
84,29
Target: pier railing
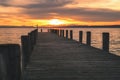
28,42
105,37
14,58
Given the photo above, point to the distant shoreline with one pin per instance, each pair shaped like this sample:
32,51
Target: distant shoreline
114,26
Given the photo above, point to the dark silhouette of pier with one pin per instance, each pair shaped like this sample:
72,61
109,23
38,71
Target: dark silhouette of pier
56,57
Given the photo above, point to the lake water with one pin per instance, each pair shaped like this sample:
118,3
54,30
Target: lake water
13,35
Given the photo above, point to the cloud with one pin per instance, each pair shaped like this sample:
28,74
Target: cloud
85,14
4,2
48,9
48,4
35,3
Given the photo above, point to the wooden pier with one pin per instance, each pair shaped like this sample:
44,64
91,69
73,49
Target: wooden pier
59,58
54,55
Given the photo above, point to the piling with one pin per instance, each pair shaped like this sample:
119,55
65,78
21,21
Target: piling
62,33
71,34
105,45
26,52
66,33
12,60
3,73
31,36
41,30
88,38
34,36
31,40
80,36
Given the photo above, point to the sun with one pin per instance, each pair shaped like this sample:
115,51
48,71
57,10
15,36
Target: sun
56,22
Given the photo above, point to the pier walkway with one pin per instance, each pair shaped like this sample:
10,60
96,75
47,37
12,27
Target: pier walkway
58,58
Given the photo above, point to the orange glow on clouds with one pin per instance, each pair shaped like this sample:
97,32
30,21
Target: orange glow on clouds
110,4
56,22
19,13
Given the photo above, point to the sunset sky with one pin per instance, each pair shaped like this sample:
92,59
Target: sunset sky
42,12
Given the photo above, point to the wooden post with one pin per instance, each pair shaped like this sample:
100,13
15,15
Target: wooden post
105,45
31,39
3,72
25,40
80,36
66,33
62,33
71,34
88,39
35,36
36,33
41,30
12,56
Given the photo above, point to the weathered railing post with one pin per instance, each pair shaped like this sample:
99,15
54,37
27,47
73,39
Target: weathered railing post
41,30
105,45
66,33
12,59
36,32
62,33
80,36
88,39
26,52
3,73
71,34
31,39
33,35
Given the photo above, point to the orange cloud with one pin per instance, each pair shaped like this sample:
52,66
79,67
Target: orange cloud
84,12
110,4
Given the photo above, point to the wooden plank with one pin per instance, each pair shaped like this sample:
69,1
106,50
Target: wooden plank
57,58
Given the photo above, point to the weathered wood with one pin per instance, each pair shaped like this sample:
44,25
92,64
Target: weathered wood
32,39
12,60
80,36
26,52
88,38
3,72
41,30
62,33
71,34
105,45
66,33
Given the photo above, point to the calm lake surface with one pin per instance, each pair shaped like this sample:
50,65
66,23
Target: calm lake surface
13,35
